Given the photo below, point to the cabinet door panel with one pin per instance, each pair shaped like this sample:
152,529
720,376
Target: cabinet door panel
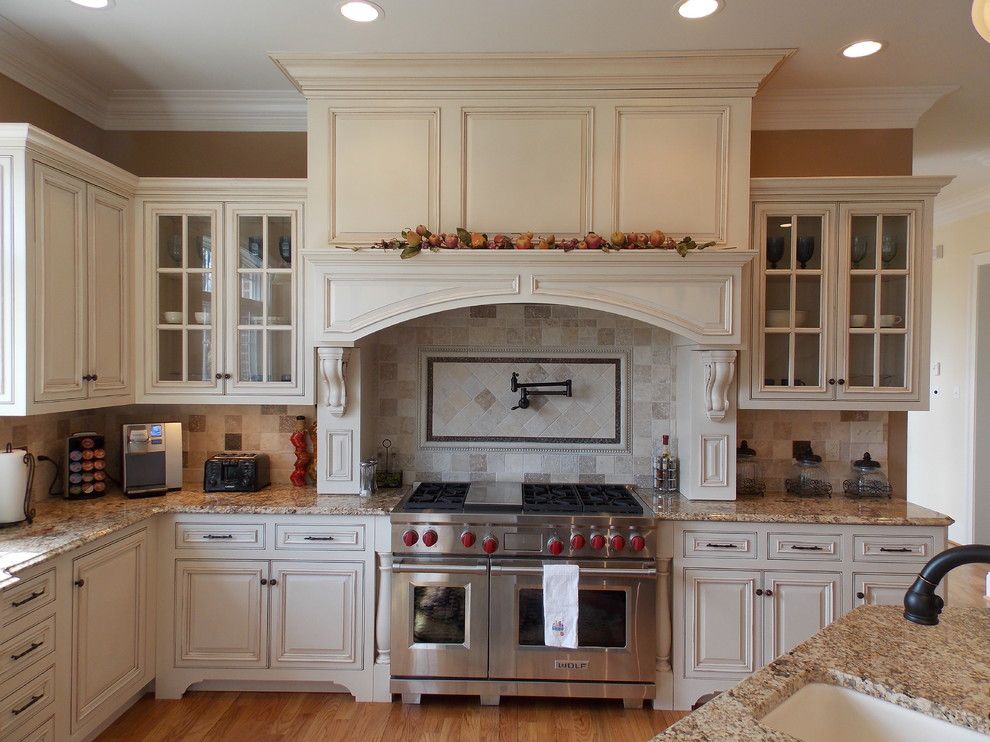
720,621
881,589
109,308
798,605
221,613
60,285
109,620
317,612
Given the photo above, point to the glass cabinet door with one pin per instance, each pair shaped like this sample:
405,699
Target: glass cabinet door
791,326
262,340
876,312
186,299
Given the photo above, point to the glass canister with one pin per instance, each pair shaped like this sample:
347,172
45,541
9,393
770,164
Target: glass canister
809,477
866,479
369,468
749,481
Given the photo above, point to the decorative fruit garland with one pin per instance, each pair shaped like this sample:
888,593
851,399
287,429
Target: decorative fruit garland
414,241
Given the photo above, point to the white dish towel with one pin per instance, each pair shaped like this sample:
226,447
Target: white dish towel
560,605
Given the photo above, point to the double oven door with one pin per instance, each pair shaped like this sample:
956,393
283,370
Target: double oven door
460,618
616,623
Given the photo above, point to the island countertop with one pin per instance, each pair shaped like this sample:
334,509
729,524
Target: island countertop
941,671
62,525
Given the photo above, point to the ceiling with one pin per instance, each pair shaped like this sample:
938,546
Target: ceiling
179,48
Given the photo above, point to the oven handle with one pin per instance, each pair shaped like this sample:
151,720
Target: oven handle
457,569
590,572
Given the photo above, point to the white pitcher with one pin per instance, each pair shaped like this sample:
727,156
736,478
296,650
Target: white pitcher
16,478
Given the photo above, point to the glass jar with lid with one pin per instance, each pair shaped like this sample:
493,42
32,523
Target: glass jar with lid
809,477
749,481
866,479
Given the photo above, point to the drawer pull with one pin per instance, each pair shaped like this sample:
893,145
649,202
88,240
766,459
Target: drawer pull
317,538
896,550
28,599
218,535
34,646
26,706
798,547
722,546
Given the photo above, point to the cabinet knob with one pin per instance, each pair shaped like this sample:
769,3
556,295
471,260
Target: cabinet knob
831,382
769,593
79,583
218,376
94,377
227,376
842,382
861,596
273,582
87,377
264,581
759,591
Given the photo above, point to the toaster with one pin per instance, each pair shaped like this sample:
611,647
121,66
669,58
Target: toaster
236,471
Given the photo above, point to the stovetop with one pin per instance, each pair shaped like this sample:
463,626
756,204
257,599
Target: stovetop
561,499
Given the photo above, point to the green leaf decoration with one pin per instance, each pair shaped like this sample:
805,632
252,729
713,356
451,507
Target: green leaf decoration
410,252
464,236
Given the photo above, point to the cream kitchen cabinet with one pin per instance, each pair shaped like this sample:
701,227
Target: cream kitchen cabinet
110,642
65,248
745,593
841,293
739,620
222,312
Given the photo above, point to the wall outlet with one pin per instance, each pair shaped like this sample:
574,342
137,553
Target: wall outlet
936,368
938,252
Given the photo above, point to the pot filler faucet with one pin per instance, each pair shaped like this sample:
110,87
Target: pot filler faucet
527,390
921,604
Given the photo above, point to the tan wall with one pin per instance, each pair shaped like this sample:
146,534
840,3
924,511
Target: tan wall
831,152
18,104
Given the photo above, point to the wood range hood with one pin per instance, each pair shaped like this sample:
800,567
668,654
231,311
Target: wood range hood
548,143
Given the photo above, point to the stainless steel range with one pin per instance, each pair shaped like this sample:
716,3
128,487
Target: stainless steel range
467,591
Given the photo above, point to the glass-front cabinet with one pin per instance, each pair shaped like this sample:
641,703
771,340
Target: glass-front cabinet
222,299
841,295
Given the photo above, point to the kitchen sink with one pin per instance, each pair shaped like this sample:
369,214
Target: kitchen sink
819,712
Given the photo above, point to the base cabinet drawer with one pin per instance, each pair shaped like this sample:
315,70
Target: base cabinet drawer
28,596
26,702
728,545
812,546
27,648
219,536
319,537
893,548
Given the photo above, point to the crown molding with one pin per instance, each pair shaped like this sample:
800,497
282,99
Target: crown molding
846,108
949,209
24,59
839,188
739,71
206,110
192,189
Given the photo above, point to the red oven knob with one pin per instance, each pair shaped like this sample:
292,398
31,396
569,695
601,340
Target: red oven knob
577,541
555,546
468,539
637,542
429,538
618,543
597,542
489,544
409,538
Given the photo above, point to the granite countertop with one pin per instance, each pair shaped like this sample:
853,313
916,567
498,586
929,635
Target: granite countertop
941,671
781,508
62,525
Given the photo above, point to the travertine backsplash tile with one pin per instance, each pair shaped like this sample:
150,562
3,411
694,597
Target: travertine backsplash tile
838,437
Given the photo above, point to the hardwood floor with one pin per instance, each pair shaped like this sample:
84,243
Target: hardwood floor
307,717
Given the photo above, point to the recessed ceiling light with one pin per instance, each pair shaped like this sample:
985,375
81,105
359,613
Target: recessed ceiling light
361,11
93,4
698,8
862,49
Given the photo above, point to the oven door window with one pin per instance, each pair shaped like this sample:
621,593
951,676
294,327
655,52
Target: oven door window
601,618
439,615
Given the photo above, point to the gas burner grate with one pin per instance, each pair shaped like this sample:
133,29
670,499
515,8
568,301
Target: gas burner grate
612,499
438,497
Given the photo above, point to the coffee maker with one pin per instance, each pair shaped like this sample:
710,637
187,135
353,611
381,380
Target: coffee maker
152,459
